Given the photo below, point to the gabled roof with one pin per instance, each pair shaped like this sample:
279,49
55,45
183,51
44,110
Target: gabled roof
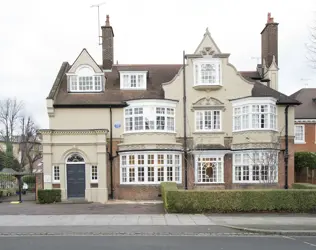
307,110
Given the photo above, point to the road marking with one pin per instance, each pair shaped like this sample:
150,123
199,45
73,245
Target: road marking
313,245
288,237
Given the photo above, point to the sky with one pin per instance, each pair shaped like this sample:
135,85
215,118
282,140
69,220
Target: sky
36,36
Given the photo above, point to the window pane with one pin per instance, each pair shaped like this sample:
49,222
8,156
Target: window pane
97,83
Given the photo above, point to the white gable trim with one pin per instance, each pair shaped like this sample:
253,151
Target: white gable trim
207,34
305,120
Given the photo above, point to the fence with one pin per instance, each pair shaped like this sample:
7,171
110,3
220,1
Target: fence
306,175
9,187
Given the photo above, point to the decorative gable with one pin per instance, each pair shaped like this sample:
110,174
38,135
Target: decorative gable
85,75
207,46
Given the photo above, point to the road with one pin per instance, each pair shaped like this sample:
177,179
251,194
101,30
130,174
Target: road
157,242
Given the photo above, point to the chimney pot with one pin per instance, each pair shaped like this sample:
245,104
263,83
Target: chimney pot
107,22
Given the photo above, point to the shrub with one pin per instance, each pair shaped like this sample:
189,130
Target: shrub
305,160
303,186
29,179
49,196
228,201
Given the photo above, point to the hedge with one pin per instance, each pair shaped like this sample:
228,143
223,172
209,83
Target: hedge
303,186
228,201
29,179
48,195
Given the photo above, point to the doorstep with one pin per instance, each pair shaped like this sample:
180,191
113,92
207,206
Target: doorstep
75,201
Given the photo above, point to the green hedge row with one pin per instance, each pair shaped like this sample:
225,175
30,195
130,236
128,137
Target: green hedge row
29,179
303,186
49,196
228,201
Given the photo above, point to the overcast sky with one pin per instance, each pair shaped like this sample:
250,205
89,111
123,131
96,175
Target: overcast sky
36,36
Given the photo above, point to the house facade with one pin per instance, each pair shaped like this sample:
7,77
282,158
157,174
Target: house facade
118,131
305,120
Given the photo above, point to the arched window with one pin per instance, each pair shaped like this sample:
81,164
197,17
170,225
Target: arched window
85,80
75,158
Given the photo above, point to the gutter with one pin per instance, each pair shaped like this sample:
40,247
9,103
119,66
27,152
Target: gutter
286,152
185,127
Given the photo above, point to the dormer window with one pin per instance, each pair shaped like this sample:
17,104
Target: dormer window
207,72
85,80
133,80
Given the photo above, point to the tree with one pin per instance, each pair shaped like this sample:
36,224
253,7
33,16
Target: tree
30,143
311,46
10,110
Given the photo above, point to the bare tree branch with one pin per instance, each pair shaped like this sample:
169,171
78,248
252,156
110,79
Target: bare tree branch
311,45
30,143
10,110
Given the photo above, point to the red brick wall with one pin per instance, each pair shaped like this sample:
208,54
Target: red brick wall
310,145
152,192
39,179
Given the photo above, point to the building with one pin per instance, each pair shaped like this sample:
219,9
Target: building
120,130
305,120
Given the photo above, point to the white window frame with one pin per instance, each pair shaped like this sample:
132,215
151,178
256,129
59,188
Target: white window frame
197,71
85,71
138,75
54,174
147,162
248,160
97,174
204,129
149,115
299,141
248,104
202,158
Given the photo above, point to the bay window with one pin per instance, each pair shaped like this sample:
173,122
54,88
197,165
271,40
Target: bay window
150,117
255,166
208,120
150,168
254,115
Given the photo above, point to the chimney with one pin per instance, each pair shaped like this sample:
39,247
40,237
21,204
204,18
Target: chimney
269,42
107,45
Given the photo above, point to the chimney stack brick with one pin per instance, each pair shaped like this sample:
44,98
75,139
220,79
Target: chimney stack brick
107,45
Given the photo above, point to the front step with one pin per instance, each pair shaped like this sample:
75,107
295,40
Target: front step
76,201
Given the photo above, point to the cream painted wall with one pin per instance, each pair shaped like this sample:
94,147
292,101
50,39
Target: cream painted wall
234,86
58,147
94,118
84,58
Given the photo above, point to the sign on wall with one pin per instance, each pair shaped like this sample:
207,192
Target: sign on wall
117,125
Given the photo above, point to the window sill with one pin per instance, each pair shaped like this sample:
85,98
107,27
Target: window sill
149,132
207,86
209,183
55,182
256,129
256,183
94,182
208,132
84,91
144,184
300,142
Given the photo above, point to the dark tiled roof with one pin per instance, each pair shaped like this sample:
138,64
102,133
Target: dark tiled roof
249,75
209,147
307,110
260,90
157,74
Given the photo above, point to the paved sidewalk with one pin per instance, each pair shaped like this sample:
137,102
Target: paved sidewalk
104,220
113,207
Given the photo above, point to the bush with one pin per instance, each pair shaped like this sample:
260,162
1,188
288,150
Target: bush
304,160
228,201
49,196
303,186
29,179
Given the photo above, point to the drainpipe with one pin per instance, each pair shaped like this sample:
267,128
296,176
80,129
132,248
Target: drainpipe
185,127
286,152
111,155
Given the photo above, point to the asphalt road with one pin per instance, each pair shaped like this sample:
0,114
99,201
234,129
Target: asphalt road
157,242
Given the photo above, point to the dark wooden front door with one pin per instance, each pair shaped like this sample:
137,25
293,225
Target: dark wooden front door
76,183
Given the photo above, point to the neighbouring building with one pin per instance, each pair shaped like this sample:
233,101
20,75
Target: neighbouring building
305,120
120,130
